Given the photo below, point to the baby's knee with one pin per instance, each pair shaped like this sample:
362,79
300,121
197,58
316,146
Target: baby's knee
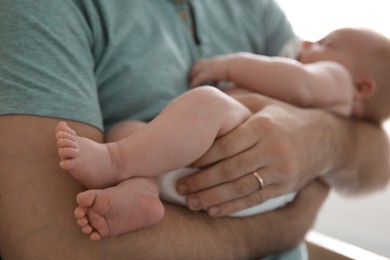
210,98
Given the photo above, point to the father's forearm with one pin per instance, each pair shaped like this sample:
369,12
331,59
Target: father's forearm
350,155
360,151
33,185
182,235
194,235
187,235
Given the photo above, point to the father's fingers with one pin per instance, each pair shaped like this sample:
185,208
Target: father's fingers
241,193
219,173
225,192
238,140
309,198
263,200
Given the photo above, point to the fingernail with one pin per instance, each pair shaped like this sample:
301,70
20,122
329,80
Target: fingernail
182,188
213,211
193,203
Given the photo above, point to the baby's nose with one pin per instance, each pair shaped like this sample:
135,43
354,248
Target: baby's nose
306,44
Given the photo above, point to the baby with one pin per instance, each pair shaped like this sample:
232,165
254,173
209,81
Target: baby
345,72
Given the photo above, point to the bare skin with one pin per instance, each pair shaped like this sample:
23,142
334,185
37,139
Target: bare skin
133,203
130,205
44,192
358,162
100,207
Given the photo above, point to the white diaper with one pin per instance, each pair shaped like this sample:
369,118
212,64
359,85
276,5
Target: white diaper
167,185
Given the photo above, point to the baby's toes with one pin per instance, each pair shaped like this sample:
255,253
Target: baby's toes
87,229
95,236
80,212
82,222
68,153
67,143
99,223
62,126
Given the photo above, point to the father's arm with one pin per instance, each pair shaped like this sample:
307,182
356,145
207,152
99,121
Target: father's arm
350,155
363,165
37,200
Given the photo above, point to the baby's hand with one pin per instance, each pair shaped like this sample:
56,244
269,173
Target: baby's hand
209,71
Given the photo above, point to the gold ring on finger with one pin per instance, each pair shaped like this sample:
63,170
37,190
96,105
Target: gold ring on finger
259,179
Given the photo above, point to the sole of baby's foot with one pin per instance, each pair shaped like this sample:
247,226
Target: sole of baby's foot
86,160
82,220
116,210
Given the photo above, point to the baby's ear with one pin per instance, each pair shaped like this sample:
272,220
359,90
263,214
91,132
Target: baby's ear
365,87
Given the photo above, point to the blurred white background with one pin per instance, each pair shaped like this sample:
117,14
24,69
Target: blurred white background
363,221
312,19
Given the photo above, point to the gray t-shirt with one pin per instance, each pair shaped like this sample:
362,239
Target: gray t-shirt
103,61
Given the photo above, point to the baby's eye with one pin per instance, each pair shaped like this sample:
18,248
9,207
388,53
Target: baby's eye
326,42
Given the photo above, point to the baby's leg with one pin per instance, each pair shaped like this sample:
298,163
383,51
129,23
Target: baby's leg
178,136
93,164
182,132
132,204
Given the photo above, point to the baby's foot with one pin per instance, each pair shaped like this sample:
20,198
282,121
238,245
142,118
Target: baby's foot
86,160
116,210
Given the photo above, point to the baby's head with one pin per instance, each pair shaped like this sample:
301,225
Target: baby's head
366,54
372,79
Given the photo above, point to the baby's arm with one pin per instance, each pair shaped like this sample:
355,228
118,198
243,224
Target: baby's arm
323,84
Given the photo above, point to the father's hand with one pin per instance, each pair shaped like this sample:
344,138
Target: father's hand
280,142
